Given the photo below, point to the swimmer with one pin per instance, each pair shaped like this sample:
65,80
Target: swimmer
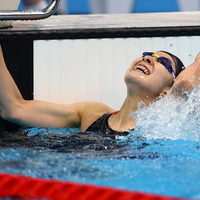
149,77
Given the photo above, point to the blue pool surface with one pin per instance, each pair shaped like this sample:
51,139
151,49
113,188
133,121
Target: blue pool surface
161,167
161,156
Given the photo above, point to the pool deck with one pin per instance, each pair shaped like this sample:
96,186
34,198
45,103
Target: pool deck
105,26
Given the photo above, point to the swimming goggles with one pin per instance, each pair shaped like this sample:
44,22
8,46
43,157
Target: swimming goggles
164,61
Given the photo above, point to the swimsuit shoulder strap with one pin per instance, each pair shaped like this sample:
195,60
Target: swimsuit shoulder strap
115,112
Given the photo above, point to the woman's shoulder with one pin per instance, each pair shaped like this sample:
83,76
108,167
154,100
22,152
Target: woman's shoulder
91,111
87,107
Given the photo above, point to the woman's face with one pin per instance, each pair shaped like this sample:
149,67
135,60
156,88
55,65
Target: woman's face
147,77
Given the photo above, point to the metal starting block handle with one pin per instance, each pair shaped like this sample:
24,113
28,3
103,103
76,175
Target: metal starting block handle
30,14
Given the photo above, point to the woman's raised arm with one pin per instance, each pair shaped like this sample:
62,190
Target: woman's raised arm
188,79
32,113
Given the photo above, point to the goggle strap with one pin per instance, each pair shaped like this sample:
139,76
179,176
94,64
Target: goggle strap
174,75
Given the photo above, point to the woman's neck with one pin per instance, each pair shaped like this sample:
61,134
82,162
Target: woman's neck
123,120
131,104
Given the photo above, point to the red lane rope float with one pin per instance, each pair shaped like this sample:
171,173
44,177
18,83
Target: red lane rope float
19,186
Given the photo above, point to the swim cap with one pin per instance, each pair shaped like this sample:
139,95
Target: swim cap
178,63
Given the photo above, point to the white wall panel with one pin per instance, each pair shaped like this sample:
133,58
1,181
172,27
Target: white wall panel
188,5
55,71
119,6
94,70
195,44
120,66
106,72
158,44
41,70
67,71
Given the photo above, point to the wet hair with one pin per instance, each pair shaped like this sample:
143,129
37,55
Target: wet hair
178,63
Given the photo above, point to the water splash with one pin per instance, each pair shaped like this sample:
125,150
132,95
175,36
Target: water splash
170,117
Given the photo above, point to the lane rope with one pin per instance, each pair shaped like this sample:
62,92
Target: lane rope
23,187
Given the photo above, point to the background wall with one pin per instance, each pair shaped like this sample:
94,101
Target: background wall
124,6
67,71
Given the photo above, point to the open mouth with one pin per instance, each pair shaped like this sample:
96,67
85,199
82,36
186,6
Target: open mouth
143,69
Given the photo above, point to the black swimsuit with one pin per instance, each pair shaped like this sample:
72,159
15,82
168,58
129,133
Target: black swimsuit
101,125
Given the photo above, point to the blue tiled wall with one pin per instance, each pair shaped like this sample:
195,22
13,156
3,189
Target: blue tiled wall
141,6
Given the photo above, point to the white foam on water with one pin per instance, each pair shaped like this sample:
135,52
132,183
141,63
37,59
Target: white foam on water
170,117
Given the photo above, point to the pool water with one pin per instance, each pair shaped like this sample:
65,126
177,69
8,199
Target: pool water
161,156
